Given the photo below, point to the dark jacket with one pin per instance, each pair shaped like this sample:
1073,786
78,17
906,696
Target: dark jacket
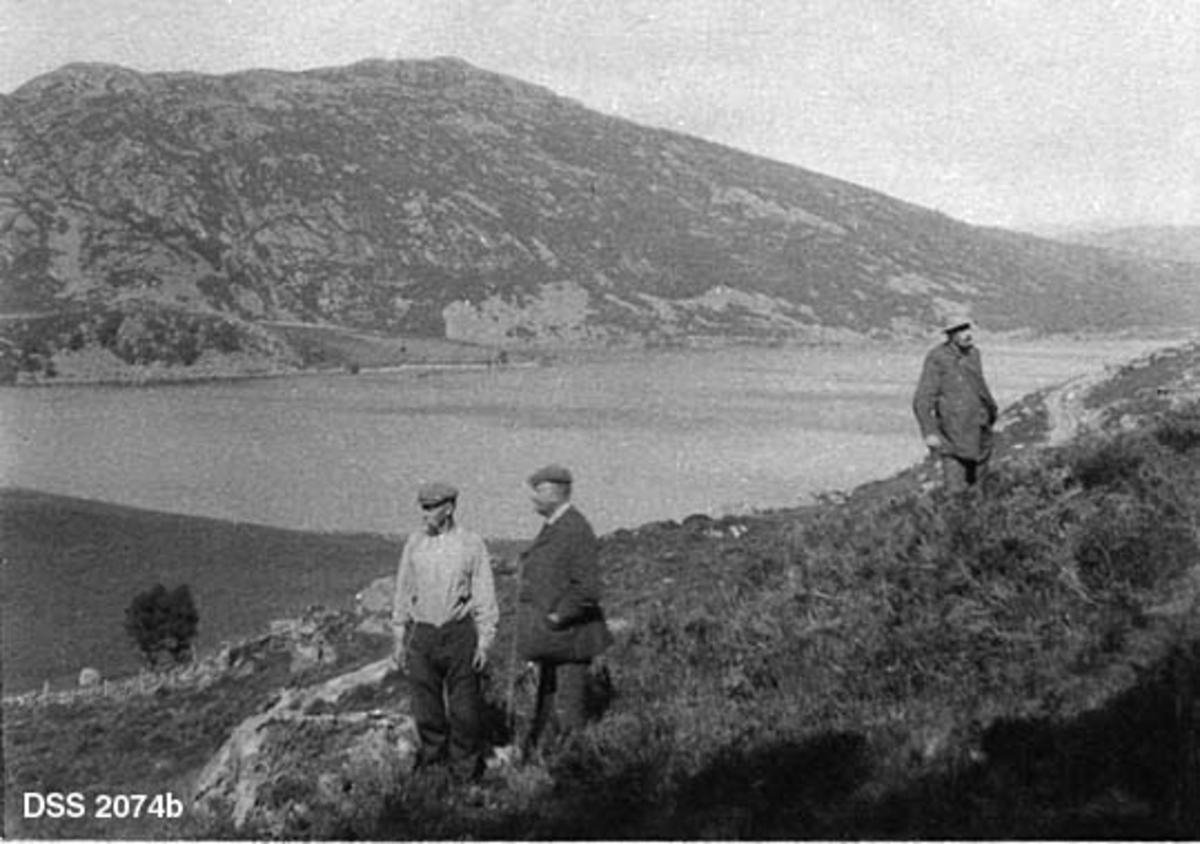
560,573
953,401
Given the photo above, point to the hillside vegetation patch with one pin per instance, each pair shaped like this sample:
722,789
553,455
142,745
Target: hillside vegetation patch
1018,662
1001,665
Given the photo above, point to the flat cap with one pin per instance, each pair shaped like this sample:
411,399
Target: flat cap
956,327
552,473
434,493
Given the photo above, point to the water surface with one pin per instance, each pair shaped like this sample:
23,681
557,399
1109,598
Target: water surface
649,436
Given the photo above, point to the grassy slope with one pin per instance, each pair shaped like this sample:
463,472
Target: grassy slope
900,665
72,566
1024,664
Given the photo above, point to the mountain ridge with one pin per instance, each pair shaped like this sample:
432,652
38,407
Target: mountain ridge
1171,243
431,198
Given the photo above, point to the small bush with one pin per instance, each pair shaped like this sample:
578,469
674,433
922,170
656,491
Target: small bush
1111,464
1124,544
163,624
1181,433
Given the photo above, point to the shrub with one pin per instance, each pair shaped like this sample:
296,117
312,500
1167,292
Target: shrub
1126,544
1180,433
163,624
1110,464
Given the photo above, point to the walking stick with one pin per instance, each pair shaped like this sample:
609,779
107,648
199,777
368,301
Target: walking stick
512,661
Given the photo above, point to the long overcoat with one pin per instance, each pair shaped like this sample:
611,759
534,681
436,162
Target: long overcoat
953,401
560,573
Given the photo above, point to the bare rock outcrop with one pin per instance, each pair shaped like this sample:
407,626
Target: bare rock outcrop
376,598
310,638
311,763
373,605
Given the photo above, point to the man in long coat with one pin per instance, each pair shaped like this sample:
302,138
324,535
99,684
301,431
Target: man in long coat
561,625
955,408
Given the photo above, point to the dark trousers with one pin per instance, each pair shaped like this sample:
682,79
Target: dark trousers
960,473
561,706
445,694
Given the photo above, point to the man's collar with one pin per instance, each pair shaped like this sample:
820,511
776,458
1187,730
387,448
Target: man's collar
562,508
449,529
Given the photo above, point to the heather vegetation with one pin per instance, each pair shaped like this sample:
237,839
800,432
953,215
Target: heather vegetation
1020,662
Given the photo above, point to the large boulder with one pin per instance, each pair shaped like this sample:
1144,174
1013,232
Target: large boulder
311,766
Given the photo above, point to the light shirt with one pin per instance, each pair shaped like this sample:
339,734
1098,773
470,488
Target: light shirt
562,508
444,578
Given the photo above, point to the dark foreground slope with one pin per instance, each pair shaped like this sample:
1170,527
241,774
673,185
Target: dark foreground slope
1020,663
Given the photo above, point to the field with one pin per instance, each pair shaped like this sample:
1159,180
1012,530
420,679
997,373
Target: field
88,345
326,347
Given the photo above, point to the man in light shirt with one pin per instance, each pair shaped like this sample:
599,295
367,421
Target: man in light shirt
444,618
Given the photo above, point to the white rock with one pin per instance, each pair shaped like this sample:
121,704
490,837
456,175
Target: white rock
376,599
295,766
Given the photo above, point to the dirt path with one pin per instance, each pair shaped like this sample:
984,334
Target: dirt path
1064,407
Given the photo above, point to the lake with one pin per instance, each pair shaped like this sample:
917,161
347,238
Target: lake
649,436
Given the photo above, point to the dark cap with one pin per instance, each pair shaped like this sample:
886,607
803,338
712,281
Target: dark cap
552,474
434,493
950,331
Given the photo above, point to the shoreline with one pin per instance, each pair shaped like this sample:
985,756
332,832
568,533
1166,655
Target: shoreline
159,375
164,378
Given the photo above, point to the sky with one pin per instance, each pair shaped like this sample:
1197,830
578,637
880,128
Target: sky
1016,113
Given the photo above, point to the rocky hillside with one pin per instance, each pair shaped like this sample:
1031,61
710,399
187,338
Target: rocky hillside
434,199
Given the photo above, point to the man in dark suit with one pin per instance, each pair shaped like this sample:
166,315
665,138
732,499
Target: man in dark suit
561,625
